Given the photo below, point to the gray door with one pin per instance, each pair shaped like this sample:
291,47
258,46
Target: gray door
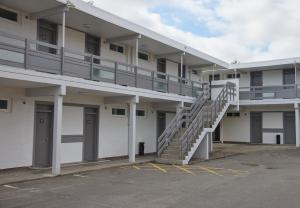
256,81
47,32
90,146
43,136
161,123
256,127
161,67
288,81
289,128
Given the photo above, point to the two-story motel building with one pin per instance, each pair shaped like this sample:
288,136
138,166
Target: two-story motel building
78,84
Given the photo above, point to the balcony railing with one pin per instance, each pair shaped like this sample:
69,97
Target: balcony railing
290,91
35,55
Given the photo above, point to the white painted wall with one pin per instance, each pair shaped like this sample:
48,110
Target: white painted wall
146,128
272,77
272,120
16,130
16,144
236,129
72,122
71,152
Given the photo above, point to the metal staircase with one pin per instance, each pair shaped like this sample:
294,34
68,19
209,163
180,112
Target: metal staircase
188,132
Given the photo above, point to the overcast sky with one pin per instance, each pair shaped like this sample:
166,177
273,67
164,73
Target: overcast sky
243,30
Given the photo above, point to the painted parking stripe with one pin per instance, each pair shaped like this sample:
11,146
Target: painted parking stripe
81,176
159,168
184,169
209,170
136,167
12,187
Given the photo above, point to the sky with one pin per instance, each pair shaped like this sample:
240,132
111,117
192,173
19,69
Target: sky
231,30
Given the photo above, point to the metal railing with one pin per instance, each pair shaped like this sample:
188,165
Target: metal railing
182,120
205,118
288,91
40,56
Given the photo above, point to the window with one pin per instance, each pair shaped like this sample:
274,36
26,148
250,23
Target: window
116,48
118,111
9,15
194,72
235,114
232,76
47,33
144,56
216,77
5,105
140,113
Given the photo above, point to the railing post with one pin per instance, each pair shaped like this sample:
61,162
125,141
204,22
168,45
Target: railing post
62,55
92,67
26,53
192,84
152,76
168,82
135,76
180,91
115,72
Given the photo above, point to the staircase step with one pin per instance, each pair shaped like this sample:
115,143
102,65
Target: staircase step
172,151
170,156
168,161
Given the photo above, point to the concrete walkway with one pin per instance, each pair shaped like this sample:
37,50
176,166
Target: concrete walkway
27,173
226,149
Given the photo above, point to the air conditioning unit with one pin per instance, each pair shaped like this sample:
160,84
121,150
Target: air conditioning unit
5,105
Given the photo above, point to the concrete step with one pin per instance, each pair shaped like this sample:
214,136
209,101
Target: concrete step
173,147
172,151
170,156
168,161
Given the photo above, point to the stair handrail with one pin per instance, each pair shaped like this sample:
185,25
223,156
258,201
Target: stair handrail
201,120
181,117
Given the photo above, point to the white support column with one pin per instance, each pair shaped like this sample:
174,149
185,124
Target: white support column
63,28
211,144
295,65
297,123
179,106
203,149
132,130
137,52
57,126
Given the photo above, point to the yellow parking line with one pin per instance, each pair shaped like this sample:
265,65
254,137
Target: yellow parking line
136,167
157,167
209,170
184,169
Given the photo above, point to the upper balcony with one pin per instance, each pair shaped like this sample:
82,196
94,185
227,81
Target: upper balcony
43,57
288,91
66,51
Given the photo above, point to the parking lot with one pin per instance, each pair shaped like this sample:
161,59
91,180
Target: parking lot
268,178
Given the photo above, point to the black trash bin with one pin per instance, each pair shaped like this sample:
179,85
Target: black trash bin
277,139
141,148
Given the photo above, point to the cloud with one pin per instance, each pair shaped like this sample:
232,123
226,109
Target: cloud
238,29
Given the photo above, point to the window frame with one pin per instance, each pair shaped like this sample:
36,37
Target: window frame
144,53
238,76
9,105
141,110
118,46
118,115
13,11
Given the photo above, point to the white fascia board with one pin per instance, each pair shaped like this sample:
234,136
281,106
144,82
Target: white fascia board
268,102
111,18
51,79
266,64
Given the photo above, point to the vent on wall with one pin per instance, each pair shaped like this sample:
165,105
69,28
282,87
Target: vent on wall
5,105
235,114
